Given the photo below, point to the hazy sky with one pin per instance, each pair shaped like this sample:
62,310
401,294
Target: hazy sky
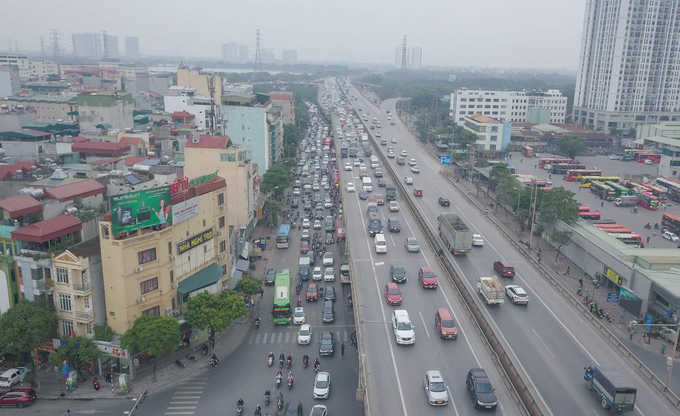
489,33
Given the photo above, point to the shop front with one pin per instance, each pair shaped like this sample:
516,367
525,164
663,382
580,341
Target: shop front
115,360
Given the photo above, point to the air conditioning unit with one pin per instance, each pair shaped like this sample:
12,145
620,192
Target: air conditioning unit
176,285
220,257
172,257
142,299
139,269
168,311
176,312
222,207
219,232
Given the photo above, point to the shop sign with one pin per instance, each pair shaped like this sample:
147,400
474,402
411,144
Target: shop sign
195,241
181,186
140,209
184,210
113,352
612,275
202,179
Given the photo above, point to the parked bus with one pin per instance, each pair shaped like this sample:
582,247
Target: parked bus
551,161
282,293
671,221
641,157
631,151
648,200
672,187
527,151
340,227
583,208
614,228
658,192
587,180
577,174
618,189
590,215
629,239
283,237
562,168
603,191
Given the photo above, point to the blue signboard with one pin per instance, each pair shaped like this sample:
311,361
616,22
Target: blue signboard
612,297
649,323
444,160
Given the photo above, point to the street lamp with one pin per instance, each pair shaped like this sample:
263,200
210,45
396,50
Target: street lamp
535,194
518,196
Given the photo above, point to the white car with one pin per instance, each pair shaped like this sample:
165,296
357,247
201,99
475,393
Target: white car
517,294
390,155
356,162
315,187
394,139
412,162
296,192
415,169
317,274
329,275
317,224
322,385
477,240
305,223
328,258
350,187
670,236
362,167
298,316
649,162
402,327
403,152
377,134
348,166
614,157
304,336
408,180
12,376
327,203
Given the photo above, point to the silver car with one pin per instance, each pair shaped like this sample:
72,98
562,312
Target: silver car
435,389
412,245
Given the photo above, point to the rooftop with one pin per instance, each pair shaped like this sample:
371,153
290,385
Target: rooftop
86,249
209,142
182,114
480,118
130,140
134,160
44,98
19,205
26,134
47,230
101,148
102,161
282,96
81,189
8,171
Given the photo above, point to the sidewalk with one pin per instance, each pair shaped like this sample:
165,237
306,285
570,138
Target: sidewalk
167,374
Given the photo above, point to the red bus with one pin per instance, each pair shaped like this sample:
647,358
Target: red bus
658,192
340,227
583,208
671,221
619,230
577,174
336,179
527,151
590,215
610,225
551,161
648,200
629,239
328,142
641,157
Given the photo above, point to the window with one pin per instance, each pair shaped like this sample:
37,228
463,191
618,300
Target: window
172,276
224,269
221,222
66,328
223,246
148,285
155,311
62,275
146,256
220,199
89,329
170,247
47,273
65,302
494,138
86,302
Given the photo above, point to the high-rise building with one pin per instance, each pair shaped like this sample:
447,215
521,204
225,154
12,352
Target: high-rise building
628,73
230,52
243,54
112,46
289,56
416,57
131,46
87,45
267,55
508,106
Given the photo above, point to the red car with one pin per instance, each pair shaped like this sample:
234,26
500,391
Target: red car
392,294
304,247
504,268
18,397
312,292
427,278
417,192
380,199
363,175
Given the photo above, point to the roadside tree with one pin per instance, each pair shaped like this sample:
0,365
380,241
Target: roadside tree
26,325
154,334
562,239
214,312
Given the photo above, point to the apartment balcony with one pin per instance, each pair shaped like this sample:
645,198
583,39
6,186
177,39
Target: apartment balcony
81,287
86,314
43,286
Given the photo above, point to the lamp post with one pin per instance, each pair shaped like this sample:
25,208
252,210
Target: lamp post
518,196
535,194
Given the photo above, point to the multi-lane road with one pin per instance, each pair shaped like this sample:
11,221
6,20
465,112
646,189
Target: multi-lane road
547,339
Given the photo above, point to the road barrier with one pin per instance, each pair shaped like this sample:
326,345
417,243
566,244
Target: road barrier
512,380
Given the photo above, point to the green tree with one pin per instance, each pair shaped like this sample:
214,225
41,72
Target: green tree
290,135
154,334
214,312
557,203
103,333
562,239
522,216
613,131
26,325
570,146
277,178
498,172
464,138
632,132
78,351
273,207
249,285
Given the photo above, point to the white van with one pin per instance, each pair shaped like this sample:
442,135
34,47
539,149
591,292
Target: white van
380,244
379,125
367,185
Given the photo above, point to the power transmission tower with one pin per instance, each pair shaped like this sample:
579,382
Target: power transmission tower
403,54
55,44
42,46
106,44
211,88
258,54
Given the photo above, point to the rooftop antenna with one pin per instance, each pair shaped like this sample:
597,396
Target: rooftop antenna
211,88
42,46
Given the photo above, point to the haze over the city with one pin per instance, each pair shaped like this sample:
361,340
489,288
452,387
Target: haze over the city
489,33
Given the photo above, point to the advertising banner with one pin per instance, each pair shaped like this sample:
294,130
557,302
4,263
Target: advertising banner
140,209
184,210
195,241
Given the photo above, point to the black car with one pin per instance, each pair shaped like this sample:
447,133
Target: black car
393,225
269,277
319,214
308,206
328,313
312,257
303,273
398,273
329,294
293,408
444,201
295,203
382,182
363,195
480,389
329,238
327,344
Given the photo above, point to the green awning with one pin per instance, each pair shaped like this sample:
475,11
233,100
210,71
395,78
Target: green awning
206,277
104,126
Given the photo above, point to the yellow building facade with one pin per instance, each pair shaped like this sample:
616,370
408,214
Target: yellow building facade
195,78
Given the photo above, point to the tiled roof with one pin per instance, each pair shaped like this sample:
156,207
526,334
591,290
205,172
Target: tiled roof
282,96
133,160
19,205
102,161
8,171
86,249
47,230
130,140
480,118
182,114
81,189
80,139
101,148
209,142
154,93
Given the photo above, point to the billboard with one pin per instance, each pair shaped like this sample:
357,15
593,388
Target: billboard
184,210
140,209
195,241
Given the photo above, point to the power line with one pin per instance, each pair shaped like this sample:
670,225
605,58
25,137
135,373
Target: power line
258,54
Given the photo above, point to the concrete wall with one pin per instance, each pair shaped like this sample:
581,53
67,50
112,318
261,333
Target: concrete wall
27,150
14,121
119,116
97,284
10,82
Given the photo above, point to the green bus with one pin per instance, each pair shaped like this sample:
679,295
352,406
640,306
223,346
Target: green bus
282,294
603,191
618,189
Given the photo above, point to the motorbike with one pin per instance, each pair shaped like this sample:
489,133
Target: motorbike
270,360
257,324
205,348
279,404
178,363
290,383
213,363
317,368
280,362
289,362
266,399
278,382
656,226
304,362
190,357
648,226
239,409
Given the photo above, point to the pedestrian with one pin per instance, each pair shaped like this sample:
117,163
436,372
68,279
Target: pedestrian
534,166
568,270
261,292
68,412
663,348
587,294
61,393
342,348
580,281
632,331
579,189
602,204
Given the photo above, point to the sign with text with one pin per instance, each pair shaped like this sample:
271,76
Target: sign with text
184,210
612,275
612,297
195,241
140,209
202,179
444,159
187,183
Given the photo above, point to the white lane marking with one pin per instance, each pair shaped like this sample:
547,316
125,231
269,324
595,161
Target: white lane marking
451,399
280,337
424,326
539,338
392,238
181,407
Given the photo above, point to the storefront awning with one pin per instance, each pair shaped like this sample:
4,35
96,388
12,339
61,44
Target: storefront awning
242,265
206,277
245,253
235,277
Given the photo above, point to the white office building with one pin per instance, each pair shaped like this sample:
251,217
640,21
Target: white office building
243,53
289,56
628,72
41,68
87,45
491,133
508,106
131,46
180,98
416,58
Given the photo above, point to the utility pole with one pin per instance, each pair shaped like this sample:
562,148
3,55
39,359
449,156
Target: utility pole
106,44
42,46
403,54
55,44
533,215
258,54
211,88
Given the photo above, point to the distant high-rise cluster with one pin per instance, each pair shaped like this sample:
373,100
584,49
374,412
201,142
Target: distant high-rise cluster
131,46
413,58
243,53
289,56
102,45
233,52
111,50
267,55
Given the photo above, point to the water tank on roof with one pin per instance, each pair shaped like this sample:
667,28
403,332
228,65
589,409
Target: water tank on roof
19,174
37,193
116,173
141,168
2,152
71,210
24,191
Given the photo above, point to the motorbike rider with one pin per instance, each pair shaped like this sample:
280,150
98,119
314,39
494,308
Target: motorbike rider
239,402
305,357
279,398
214,358
290,357
257,321
281,357
271,355
299,300
290,376
279,377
